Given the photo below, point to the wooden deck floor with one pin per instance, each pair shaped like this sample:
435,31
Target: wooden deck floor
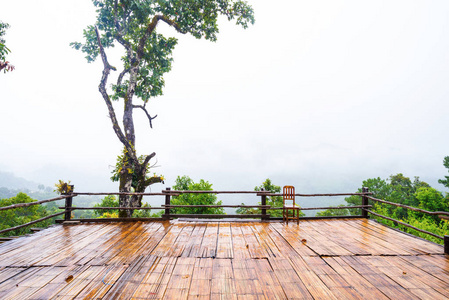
320,259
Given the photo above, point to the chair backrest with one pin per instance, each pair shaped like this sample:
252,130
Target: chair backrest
288,194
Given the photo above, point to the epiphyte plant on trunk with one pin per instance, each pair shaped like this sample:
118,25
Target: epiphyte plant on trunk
147,56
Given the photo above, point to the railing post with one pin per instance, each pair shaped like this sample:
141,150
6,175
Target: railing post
364,202
68,204
263,202
446,244
167,202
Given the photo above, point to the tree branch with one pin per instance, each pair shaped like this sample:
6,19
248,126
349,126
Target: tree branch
150,118
172,23
147,159
104,58
150,28
120,77
102,88
153,180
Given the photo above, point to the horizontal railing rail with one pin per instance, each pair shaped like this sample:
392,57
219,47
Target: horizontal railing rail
407,225
212,192
119,193
329,207
20,205
319,195
439,213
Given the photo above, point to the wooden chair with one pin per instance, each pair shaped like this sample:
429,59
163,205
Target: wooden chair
289,204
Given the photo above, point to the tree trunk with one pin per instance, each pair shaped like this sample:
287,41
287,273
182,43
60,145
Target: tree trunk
125,184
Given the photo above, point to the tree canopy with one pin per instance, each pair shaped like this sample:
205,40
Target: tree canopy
18,216
147,56
185,183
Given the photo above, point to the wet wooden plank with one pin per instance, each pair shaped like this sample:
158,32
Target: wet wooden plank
331,277
108,246
224,243
270,285
19,285
265,240
102,281
184,236
377,278
165,246
200,286
401,243
193,245
59,238
181,278
436,265
429,294
208,246
252,244
291,283
320,242
238,242
301,241
223,283
90,247
154,284
280,236
360,284
351,240
68,287
64,250
422,280
247,282
313,283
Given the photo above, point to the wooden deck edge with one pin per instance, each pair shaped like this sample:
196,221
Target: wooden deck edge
323,218
226,220
210,216
111,220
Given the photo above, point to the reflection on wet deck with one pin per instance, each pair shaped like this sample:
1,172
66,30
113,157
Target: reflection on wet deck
325,259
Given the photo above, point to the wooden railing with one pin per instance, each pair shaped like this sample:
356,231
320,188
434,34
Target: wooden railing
264,208
21,205
168,194
441,214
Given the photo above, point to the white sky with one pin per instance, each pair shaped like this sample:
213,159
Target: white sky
317,94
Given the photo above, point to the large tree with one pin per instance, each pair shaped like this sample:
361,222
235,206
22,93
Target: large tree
147,55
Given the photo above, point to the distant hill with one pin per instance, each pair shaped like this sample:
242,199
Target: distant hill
10,181
10,186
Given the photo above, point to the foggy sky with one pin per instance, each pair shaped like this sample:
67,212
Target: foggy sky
317,94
